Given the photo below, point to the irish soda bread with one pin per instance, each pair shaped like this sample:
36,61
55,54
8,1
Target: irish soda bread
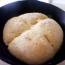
33,37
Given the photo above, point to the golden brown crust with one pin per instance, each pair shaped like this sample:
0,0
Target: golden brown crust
37,40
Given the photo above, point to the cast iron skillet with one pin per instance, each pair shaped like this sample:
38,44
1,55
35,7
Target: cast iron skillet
21,7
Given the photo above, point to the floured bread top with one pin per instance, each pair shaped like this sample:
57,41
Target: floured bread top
17,25
33,37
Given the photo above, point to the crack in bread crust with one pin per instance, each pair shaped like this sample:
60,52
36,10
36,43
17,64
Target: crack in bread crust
24,21
49,41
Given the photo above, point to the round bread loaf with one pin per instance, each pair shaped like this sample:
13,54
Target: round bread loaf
33,37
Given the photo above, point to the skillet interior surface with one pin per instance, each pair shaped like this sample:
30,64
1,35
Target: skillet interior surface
21,7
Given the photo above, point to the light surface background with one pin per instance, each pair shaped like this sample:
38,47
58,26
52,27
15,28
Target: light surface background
4,2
